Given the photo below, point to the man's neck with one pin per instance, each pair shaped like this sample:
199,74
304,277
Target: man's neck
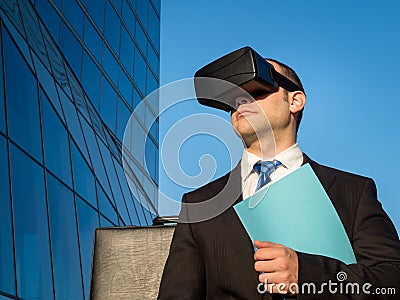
266,150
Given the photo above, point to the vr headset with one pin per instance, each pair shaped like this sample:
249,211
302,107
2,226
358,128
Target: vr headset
238,73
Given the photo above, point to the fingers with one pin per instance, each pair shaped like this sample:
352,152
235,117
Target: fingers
277,265
271,252
270,266
266,244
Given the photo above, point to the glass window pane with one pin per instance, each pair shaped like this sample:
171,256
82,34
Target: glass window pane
114,183
110,65
139,208
7,274
18,38
2,103
151,153
149,117
105,223
74,15
128,17
154,28
153,59
96,11
49,16
141,38
22,104
31,230
47,82
122,118
73,123
140,71
154,129
127,194
33,31
93,40
137,98
71,49
125,87
90,79
83,177
127,51
142,8
78,94
64,241
56,148
108,104
97,161
157,4
112,27
152,83
106,207
88,221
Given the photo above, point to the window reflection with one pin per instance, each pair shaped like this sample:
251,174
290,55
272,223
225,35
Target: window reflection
74,15
90,79
110,65
7,275
96,11
127,194
154,28
128,16
47,82
108,103
56,148
151,153
64,239
141,38
24,126
125,87
71,48
123,116
88,221
83,177
142,8
49,16
112,27
106,207
2,106
116,189
31,230
140,71
73,123
93,40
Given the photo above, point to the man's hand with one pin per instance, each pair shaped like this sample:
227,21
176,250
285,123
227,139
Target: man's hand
278,265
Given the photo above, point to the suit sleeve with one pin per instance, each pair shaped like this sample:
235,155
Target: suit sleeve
377,249
184,272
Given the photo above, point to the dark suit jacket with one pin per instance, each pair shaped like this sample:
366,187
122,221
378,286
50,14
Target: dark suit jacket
213,259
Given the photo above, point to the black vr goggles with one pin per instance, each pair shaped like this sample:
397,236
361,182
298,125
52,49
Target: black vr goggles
217,83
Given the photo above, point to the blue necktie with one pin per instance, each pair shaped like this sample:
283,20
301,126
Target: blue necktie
264,169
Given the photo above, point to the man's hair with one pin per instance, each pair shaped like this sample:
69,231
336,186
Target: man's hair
291,74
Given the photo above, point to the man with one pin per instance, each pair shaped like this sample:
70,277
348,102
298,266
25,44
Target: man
215,259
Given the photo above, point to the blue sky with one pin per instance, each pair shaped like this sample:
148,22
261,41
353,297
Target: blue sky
345,52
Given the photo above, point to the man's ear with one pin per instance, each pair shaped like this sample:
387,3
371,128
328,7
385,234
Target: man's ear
297,101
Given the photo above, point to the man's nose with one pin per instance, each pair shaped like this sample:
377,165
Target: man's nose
242,100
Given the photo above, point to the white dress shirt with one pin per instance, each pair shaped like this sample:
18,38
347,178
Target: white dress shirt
291,159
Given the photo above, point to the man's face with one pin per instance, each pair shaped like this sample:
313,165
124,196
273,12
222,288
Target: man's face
255,119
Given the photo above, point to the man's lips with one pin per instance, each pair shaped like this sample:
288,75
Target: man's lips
245,112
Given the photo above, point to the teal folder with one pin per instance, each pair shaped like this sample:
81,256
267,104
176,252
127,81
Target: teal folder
296,211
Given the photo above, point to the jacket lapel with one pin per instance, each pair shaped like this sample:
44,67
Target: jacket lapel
324,177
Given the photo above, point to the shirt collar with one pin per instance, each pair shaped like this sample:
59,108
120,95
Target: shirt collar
291,157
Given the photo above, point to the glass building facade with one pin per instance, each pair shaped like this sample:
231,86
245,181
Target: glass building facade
71,74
